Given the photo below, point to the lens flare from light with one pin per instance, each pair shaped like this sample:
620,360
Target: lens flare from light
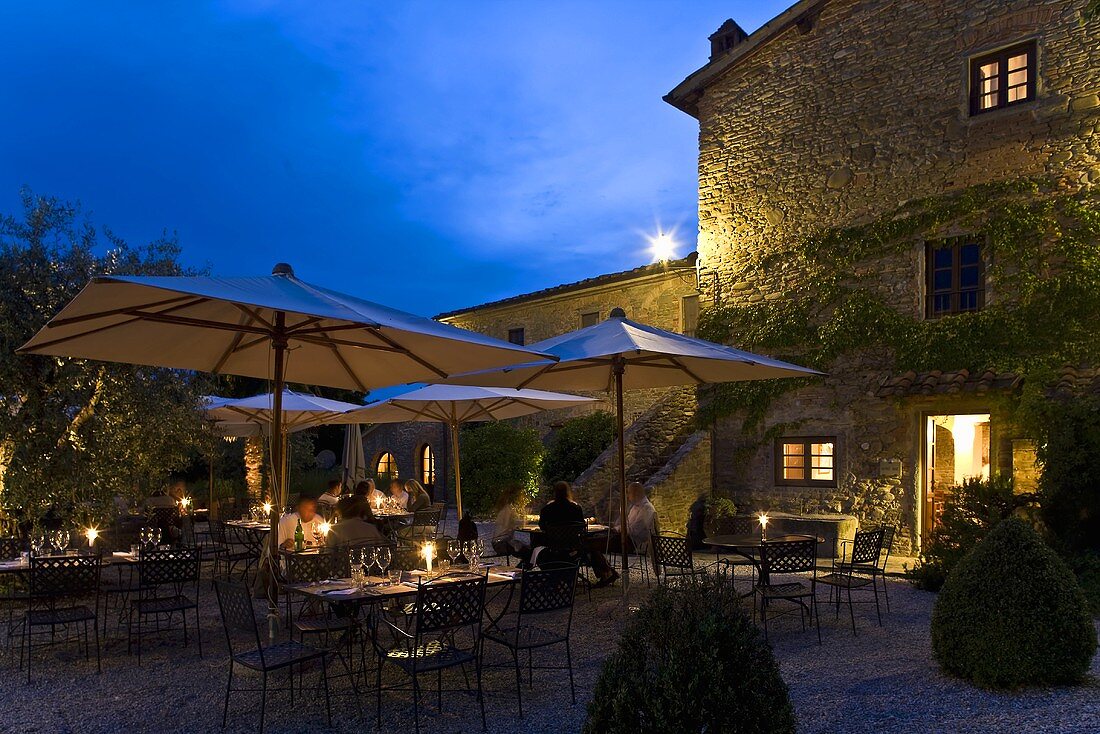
663,247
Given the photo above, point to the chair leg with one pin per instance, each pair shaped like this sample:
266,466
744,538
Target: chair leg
878,609
416,703
519,682
851,608
480,693
98,664
569,662
263,701
228,688
324,680
885,593
817,616
378,689
764,614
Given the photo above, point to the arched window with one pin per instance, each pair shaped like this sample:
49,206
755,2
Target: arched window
427,465
386,465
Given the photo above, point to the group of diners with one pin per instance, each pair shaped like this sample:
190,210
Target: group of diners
563,511
356,521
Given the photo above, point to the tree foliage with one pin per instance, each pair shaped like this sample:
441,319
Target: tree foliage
577,444
75,433
495,456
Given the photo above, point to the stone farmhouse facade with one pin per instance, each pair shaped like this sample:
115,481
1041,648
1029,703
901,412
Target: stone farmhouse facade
836,113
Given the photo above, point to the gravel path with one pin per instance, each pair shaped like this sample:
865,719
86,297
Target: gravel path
882,680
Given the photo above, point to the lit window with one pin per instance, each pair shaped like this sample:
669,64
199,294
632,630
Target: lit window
806,461
427,465
956,276
386,466
590,319
1002,78
516,336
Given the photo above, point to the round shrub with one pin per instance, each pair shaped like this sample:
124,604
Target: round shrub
1011,614
690,661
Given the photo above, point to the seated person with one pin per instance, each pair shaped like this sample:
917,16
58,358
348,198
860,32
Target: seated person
306,511
366,489
356,525
418,497
506,520
560,511
641,521
398,494
328,499
160,499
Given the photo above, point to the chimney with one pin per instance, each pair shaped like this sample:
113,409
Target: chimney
723,40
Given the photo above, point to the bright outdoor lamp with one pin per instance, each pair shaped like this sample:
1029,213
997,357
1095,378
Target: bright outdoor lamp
663,247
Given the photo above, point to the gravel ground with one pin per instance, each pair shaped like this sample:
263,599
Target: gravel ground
882,680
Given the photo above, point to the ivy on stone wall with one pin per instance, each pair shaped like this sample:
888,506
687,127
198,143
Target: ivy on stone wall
1043,312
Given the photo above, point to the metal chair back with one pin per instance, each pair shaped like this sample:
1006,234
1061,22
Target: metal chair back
169,566
672,551
566,540
64,577
239,616
424,519
867,546
218,533
444,606
547,590
788,556
732,525
887,543
303,568
10,548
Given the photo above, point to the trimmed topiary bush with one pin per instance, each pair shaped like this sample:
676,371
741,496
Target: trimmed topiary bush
690,660
1011,614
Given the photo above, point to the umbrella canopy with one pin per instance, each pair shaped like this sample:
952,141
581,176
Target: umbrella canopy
273,327
355,463
457,404
619,354
229,325
300,411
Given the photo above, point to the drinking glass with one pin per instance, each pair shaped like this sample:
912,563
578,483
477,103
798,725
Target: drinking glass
385,558
475,553
63,538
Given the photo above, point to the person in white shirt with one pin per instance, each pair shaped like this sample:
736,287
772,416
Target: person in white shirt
306,511
327,501
641,520
507,520
398,493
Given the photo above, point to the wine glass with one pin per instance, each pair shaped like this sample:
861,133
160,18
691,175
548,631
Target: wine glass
62,538
385,558
36,544
478,547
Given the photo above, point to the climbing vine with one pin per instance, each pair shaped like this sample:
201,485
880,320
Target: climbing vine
1043,273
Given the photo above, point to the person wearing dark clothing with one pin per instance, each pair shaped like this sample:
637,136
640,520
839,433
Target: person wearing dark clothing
696,523
563,511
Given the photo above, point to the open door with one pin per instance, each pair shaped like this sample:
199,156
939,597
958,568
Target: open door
956,447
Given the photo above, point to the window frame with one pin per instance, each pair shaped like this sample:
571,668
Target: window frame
595,320
519,331
683,313
393,474
806,441
1001,56
427,473
955,292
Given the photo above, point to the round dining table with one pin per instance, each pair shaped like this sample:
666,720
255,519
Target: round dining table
748,545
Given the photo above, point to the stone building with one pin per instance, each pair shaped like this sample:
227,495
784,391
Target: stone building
663,294
840,112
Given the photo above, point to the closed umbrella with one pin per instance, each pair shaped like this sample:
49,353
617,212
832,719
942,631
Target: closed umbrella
619,354
355,463
273,327
458,404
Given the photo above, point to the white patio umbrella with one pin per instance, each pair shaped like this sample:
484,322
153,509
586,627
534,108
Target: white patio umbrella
236,416
458,404
273,327
355,462
619,354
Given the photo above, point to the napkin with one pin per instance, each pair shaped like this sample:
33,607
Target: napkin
341,592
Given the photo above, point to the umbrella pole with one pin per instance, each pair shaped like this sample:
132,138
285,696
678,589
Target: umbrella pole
619,366
458,468
278,500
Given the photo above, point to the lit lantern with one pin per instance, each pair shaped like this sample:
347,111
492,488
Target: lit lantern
185,502
91,534
429,554
267,508
324,527
763,519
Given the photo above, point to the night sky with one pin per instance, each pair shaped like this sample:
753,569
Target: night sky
426,155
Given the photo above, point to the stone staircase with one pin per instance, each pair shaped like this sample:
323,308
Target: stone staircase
659,443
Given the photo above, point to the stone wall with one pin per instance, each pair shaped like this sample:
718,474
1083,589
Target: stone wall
685,476
838,120
404,441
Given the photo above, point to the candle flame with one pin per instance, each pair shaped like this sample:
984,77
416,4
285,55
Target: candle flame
763,518
325,527
267,508
91,534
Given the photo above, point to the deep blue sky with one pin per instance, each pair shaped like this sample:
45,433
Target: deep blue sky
427,155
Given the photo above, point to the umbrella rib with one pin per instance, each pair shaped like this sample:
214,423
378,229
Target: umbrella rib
539,373
233,344
185,321
347,367
686,371
321,329
344,343
416,358
117,311
255,315
108,327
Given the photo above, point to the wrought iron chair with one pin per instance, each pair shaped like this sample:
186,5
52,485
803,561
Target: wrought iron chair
675,560
168,520
544,618
165,580
242,633
425,524
61,588
779,563
228,554
567,543
858,572
445,633
13,587
312,617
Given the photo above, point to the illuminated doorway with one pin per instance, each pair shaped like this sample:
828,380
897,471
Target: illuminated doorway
956,447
